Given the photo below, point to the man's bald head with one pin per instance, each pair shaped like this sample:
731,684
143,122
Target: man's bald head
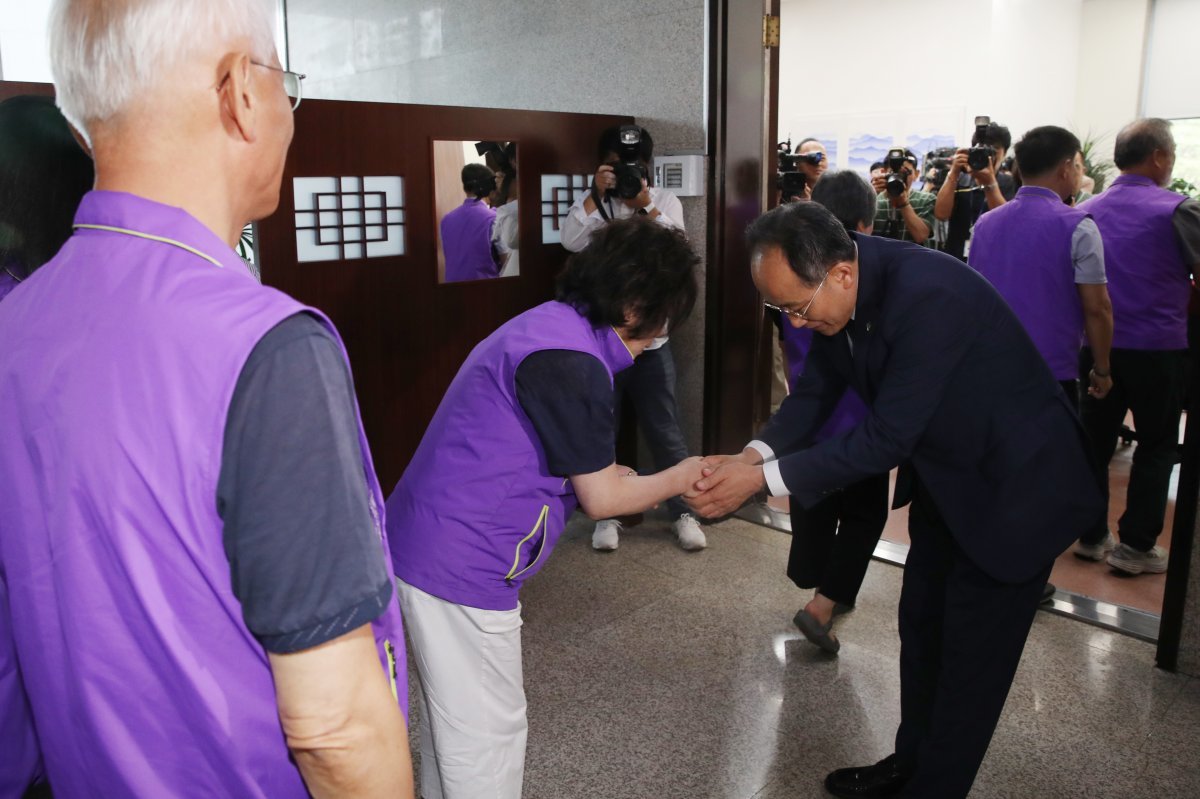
1146,147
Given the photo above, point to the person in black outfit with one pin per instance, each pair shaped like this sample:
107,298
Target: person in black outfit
968,194
832,542
948,372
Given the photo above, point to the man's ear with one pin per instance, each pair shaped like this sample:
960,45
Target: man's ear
238,102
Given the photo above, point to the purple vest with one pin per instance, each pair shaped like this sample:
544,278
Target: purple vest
120,359
1023,248
1147,278
467,242
850,411
477,512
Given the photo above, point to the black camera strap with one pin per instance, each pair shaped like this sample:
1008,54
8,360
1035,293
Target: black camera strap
599,201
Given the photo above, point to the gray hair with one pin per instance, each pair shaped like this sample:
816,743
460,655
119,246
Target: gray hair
103,53
1138,140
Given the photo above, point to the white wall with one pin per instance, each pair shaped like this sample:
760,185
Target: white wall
1172,90
1075,63
24,50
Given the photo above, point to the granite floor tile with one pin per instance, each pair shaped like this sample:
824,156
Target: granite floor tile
654,674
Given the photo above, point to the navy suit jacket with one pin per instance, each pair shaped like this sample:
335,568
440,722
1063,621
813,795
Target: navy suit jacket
958,392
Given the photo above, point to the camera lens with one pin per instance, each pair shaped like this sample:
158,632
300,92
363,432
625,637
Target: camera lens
895,185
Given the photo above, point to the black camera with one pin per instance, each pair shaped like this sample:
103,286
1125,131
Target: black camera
980,155
790,181
629,170
897,184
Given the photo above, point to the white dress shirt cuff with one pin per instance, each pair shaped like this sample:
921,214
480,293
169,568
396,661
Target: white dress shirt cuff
775,480
762,448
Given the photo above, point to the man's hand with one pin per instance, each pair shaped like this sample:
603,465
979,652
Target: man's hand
604,179
727,482
1099,386
987,175
879,183
639,200
958,165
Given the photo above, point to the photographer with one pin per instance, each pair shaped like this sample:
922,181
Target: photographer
900,212
800,169
608,201
973,186
621,189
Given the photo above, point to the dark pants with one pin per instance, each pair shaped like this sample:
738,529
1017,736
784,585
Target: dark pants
961,637
650,384
1150,383
833,557
1072,388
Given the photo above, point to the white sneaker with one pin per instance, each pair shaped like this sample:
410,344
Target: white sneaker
688,531
607,535
1095,552
1131,561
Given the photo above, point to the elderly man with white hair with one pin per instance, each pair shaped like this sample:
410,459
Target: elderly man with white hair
194,598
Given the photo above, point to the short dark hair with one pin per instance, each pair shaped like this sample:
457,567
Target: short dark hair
477,179
850,198
810,236
1138,140
1041,150
44,173
634,272
996,135
876,165
610,142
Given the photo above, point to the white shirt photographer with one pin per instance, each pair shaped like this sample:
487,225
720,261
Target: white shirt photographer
578,226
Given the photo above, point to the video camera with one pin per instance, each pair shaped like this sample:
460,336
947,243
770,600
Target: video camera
897,183
937,166
629,170
980,155
789,179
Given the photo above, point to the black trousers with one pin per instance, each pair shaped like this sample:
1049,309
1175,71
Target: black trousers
1150,383
833,557
650,384
961,637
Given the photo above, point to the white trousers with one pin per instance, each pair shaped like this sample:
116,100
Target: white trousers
472,714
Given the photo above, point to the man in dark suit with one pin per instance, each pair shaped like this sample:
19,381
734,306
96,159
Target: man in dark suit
949,375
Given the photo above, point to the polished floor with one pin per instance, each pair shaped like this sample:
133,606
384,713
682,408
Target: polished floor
652,673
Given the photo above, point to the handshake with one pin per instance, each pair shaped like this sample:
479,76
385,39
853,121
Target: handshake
717,485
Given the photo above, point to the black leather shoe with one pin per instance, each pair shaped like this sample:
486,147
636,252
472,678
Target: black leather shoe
865,782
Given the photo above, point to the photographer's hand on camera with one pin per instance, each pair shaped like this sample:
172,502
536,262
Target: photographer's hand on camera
642,201
986,179
604,179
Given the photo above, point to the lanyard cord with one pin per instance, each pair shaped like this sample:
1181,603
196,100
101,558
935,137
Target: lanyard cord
150,237
13,275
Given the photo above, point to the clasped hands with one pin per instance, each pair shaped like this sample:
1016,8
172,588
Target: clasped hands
720,484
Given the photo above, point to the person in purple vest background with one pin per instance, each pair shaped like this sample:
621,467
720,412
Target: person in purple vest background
1047,260
467,230
1151,250
832,542
43,175
524,434
194,592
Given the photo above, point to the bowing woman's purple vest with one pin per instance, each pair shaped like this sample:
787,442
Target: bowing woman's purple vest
1023,248
1147,278
119,361
477,512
